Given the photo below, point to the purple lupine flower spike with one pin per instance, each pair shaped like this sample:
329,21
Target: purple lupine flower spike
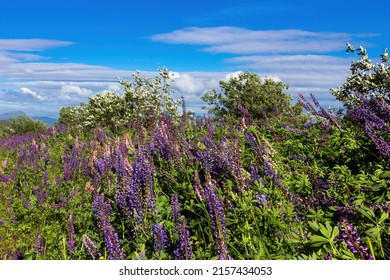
37,244
160,238
102,211
348,234
184,248
90,246
217,215
71,243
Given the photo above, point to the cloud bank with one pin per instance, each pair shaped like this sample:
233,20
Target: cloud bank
305,60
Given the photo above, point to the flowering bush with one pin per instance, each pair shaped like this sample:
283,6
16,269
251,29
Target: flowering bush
367,78
144,100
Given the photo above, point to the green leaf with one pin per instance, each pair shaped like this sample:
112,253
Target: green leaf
327,232
314,225
318,241
383,217
335,233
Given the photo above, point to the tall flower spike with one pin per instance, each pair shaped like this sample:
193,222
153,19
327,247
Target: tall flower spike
71,243
218,222
38,243
160,237
175,214
184,247
348,234
102,211
90,246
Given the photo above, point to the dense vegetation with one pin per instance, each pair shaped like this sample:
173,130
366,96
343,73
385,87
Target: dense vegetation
158,184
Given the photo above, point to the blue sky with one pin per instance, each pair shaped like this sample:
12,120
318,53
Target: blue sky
57,53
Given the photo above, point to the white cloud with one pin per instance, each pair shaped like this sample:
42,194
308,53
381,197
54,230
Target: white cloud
188,84
31,44
71,89
61,72
27,91
234,40
232,75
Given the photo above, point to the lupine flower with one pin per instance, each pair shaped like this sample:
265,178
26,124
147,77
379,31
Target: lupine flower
101,165
322,115
245,113
198,187
347,209
37,245
62,204
373,116
90,246
268,170
160,237
118,165
165,140
4,178
130,203
45,178
102,211
217,216
85,167
295,130
261,199
184,247
18,255
40,194
381,207
315,101
26,203
218,158
175,213
254,173
71,243
328,256
101,136
142,180
252,140
348,234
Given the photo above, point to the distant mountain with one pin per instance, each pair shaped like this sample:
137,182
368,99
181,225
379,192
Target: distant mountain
46,120
9,115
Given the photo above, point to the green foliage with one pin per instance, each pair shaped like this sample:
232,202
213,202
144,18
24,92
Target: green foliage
144,100
22,125
366,78
262,98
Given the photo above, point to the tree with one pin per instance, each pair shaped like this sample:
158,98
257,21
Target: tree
367,79
24,124
150,97
144,100
261,98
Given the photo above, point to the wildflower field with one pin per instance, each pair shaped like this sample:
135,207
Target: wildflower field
315,186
